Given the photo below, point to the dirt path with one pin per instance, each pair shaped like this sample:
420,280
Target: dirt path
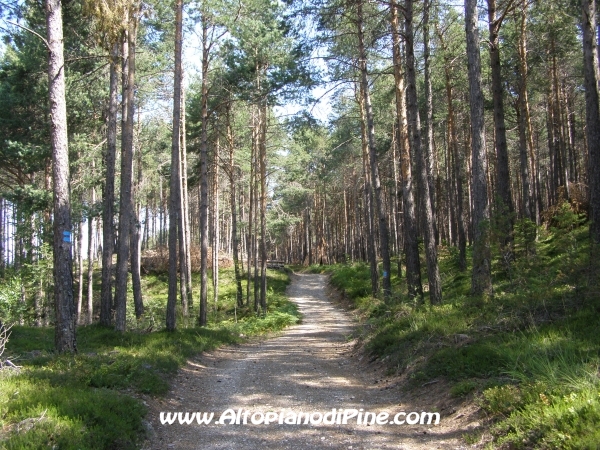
309,368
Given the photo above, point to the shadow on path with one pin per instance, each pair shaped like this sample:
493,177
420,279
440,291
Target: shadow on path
307,369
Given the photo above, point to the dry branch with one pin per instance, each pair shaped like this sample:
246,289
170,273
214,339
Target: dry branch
4,335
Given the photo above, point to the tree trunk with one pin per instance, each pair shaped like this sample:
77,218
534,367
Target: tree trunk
215,226
522,110
502,170
572,136
592,113
435,283
126,205
429,147
186,201
135,235
232,193
175,181
481,279
397,200
262,145
249,239
147,225
369,213
557,130
376,183
183,248
79,270
161,215
90,256
411,246
255,237
202,318
64,337
2,233
108,195
457,166
524,159
184,283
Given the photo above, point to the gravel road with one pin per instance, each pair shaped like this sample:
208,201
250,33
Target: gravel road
310,368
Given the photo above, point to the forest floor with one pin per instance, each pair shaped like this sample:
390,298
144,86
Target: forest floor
314,366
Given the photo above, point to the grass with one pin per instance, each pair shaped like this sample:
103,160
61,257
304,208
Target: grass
93,400
528,354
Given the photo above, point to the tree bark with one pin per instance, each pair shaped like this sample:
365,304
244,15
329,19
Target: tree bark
481,279
175,181
135,235
250,235
186,201
369,213
90,256
202,318
376,183
181,179
262,145
64,337
592,113
215,226
502,169
429,142
126,205
2,232
255,237
522,110
414,129
232,193
108,226
181,240
457,166
396,200
411,246
79,254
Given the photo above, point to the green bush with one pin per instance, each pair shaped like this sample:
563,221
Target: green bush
463,388
12,308
502,399
80,401
530,352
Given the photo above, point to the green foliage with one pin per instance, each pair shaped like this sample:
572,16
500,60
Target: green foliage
353,280
525,232
286,315
548,420
12,308
563,216
82,401
556,403
68,416
261,55
529,353
317,268
463,388
481,360
501,399
18,290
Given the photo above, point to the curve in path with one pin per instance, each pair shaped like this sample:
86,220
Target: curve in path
307,369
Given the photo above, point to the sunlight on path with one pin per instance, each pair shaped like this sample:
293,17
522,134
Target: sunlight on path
307,369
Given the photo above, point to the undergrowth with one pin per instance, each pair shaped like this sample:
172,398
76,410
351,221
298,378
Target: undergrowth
93,400
528,354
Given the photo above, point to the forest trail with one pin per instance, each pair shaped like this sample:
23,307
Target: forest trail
310,367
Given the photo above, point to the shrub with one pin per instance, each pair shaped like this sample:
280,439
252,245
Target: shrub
12,306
